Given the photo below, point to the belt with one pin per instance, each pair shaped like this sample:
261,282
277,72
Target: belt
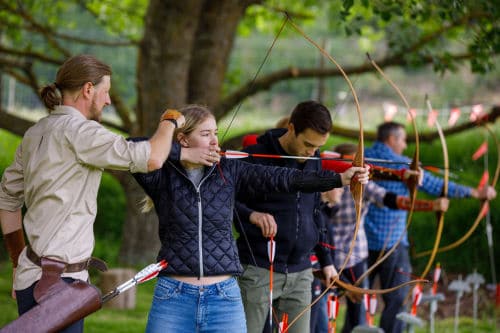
71,268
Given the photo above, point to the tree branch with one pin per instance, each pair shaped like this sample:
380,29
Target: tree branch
266,82
338,131
14,124
27,54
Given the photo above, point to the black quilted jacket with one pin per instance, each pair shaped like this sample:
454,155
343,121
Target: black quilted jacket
301,226
196,221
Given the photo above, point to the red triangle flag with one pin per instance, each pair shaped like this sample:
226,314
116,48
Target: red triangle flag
431,118
477,110
454,115
484,179
480,151
412,113
390,111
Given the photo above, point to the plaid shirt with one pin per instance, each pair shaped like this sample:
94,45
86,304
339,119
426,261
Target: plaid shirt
343,223
384,226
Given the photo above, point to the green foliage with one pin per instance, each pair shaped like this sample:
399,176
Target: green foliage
407,23
122,18
110,207
102,321
462,212
8,145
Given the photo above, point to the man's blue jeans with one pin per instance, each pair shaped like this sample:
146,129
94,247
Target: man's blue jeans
185,308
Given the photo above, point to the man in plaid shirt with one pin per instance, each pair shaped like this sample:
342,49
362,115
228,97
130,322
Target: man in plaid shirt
342,226
384,227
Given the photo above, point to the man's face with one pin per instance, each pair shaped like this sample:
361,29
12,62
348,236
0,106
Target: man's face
397,142
100,98
306,143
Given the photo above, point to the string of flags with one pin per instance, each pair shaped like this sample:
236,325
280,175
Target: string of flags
453,115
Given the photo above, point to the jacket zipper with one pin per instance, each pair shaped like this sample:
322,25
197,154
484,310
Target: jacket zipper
200,215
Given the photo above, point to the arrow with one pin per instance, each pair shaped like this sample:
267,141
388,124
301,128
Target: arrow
327,155
271,247
144,275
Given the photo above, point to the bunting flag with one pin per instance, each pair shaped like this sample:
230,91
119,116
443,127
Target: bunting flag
484,179
431,118
411,113
454,115
477,110
390,111
483,148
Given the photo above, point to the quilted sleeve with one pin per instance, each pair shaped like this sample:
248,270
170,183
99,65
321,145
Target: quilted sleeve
255,178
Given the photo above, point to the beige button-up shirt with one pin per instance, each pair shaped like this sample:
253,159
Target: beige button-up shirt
56,174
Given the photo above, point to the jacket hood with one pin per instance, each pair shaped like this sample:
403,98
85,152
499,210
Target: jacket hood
270,138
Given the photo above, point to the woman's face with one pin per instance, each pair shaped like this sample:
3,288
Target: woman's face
203,136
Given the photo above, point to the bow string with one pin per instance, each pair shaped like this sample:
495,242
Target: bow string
412,182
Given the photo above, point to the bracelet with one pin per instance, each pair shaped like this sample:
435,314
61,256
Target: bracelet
171,115
420,205
173,121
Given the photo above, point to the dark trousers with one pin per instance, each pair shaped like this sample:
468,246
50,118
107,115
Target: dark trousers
319,315
26,301
355,312
393,271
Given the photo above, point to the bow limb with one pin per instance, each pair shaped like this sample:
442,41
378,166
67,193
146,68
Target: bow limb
412,182
440,215
482,211
357,290
358,161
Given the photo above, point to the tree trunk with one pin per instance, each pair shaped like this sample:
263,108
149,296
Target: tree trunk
140,242
164,58
182,59
213,45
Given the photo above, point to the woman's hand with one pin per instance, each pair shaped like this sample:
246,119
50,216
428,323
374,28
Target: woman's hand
201,155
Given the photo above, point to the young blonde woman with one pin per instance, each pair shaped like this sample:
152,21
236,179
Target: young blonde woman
194,199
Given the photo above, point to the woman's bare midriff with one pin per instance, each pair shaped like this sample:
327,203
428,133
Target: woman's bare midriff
203,281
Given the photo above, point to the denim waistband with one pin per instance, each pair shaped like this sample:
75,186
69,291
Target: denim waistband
215,288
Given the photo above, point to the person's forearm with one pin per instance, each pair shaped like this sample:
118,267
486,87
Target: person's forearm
161,142
11,223
394,201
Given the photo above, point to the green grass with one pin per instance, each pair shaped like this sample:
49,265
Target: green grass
102,321
134,320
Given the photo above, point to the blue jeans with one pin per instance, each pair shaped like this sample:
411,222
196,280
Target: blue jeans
26,301
180,307
393,271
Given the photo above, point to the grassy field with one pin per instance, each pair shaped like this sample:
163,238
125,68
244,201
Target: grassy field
466,258
134,320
